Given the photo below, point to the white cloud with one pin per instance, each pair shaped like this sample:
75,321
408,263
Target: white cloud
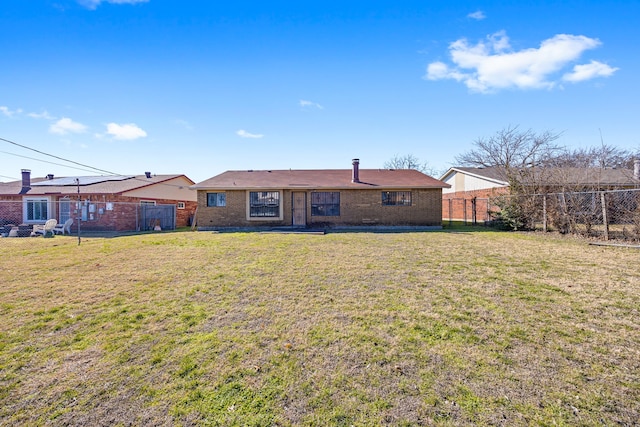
65,126
589,71
305,104
477,15
244,134
44,115
127,131
93,4
8,112
491,64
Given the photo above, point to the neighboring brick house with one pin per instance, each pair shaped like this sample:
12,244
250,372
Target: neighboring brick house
109,203
471,188
466,198
319,198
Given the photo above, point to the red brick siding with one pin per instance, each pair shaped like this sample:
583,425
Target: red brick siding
11,210
123,217
458,206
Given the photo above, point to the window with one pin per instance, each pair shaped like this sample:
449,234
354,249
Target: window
325,203
216,199
396,198
148,202
180,205
264,204
36,210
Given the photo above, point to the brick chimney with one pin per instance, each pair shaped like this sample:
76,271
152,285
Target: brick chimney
636,169
355,176
26,180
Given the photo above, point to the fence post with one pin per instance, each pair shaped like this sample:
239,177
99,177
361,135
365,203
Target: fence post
78,209
474,212
544,213
605,220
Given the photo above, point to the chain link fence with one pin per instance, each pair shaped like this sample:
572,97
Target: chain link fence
613,214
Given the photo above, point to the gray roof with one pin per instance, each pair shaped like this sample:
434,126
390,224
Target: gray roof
551,176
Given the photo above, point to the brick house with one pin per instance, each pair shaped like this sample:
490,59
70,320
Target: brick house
470,188
466,198
319,198
103,203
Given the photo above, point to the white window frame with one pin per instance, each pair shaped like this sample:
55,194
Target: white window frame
25,210
181,205
148,202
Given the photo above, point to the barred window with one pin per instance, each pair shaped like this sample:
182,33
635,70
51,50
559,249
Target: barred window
264,204
396,198
216,199
325,203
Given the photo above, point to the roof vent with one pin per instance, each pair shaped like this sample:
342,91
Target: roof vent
50,176
147,174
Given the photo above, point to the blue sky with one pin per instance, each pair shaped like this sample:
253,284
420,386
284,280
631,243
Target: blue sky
196,87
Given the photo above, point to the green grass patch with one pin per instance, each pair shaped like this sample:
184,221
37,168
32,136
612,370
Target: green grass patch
469,327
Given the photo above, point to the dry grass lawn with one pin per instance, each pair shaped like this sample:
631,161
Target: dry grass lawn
363,329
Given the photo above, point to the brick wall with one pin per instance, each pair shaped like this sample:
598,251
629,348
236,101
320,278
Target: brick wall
357,207
123,216
11,210
459,206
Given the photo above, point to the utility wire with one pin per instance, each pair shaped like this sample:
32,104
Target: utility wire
91,168
45,161
57,157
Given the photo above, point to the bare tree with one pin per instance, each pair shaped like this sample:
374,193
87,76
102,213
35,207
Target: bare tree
519,155
603,156
538,171
511,148
408,161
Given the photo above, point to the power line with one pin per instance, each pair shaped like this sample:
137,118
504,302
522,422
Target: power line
57,157
91,168
45,161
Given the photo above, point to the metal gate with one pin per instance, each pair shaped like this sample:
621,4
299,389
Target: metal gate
299,203
154,217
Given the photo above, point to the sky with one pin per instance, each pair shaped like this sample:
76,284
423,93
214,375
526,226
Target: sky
93,87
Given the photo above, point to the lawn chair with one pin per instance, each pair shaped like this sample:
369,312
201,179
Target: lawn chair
63,228
47,230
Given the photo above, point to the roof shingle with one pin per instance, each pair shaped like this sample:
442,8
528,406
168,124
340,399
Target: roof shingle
321,178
